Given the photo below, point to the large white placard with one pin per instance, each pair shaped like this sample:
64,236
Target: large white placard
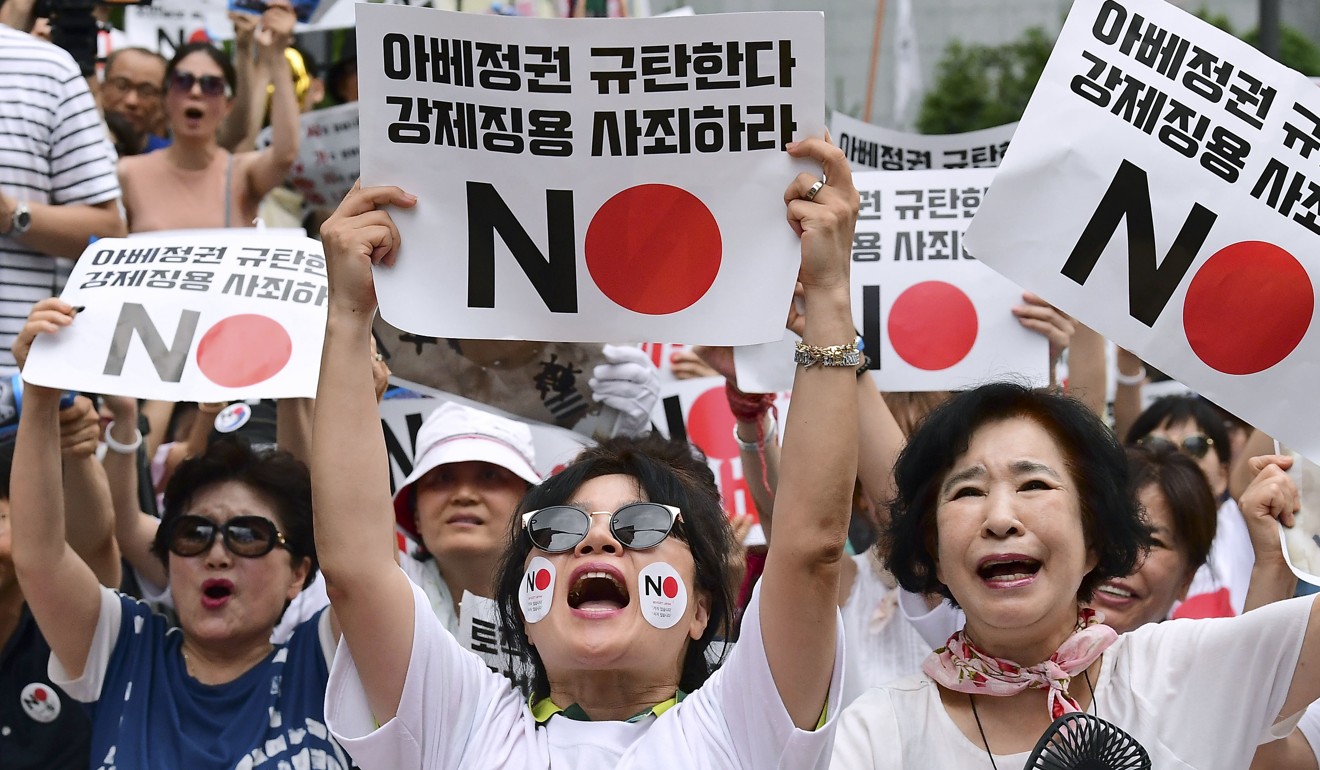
1164,189
932,318
165,26
884,149
605,180
214,316
327,162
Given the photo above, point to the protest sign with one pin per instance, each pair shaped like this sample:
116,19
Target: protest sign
479,633
1163,190
587,179
210,316
1301,542
931,317
165,26
884,149
327,162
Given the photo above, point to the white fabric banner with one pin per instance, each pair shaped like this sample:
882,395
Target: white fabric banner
1164,190
214,315
588,179
884,149
932,318
327,162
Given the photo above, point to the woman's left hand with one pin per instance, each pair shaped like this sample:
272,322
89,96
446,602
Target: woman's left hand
826,222
1045,319
1271,496
275,33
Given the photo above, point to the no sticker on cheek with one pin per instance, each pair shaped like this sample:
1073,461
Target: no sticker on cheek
537,589
663,594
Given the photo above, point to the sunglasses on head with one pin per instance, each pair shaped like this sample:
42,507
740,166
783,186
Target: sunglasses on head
247,536
1195,445
636,526
212,85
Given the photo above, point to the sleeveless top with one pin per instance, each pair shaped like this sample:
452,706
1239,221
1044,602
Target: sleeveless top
178,200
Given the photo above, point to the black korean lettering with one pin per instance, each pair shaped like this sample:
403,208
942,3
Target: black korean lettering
1300,138
622,77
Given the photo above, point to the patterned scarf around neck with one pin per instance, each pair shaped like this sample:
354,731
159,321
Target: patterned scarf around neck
960,666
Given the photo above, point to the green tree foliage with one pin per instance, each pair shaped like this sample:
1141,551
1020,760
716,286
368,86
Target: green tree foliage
980,86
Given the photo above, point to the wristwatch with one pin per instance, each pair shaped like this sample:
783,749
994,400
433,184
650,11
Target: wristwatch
21,221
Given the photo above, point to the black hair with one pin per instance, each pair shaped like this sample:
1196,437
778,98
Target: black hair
1178,409
217,56
338,76
668,472
275,475
6,463
1114,527
1182,484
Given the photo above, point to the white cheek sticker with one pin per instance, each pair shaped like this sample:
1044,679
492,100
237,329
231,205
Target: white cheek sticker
663,594
537,589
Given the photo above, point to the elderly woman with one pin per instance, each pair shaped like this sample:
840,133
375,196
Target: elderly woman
615,572
237,546
1016,505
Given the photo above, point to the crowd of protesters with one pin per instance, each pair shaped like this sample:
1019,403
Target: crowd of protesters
941,576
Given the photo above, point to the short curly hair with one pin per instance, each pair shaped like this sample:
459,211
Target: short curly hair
669,472
1114,525
274,474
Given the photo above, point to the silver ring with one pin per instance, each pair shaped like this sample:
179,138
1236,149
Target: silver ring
815,188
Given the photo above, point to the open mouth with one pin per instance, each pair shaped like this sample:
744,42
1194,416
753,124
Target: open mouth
1116,590
216,592
598,590
193,113
465,518
1008,570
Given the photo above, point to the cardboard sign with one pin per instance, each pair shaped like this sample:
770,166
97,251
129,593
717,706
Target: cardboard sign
207,316
327,164
587,179
931,317
1164,190
165,26
884,149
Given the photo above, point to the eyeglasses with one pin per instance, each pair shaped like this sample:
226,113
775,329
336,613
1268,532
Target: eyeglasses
248,536
1195,445
637,526
212,85
145,91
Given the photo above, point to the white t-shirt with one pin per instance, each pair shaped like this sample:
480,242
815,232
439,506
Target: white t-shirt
456,714
1196,693
882,645
426,575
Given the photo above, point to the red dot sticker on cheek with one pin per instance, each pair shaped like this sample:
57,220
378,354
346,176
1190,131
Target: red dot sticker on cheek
663,594
537,589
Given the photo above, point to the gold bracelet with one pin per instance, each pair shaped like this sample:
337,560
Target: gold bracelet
833,355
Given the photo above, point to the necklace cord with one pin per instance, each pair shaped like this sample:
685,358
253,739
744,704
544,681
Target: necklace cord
985,742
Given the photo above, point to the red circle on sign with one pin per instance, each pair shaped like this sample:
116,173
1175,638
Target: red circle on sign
932,325
670,587
1248,307
710,425
40,693
243,350
542,579
653,249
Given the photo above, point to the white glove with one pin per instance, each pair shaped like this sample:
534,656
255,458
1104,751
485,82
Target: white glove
630,385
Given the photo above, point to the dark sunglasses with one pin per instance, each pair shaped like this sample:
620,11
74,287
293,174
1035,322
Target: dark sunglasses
1196,445
637,526
212,85
248,536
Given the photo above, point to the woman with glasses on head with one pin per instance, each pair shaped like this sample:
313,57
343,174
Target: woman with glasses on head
236,542
196,183
1190,425
615,573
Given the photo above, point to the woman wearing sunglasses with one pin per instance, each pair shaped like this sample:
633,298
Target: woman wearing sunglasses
194,182
1187,424
615,571
236,542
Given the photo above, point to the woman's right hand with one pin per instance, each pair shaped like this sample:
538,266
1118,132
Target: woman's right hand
358,235
1272,495
46,317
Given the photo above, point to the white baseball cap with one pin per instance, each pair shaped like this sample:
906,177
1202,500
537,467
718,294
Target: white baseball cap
454,433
